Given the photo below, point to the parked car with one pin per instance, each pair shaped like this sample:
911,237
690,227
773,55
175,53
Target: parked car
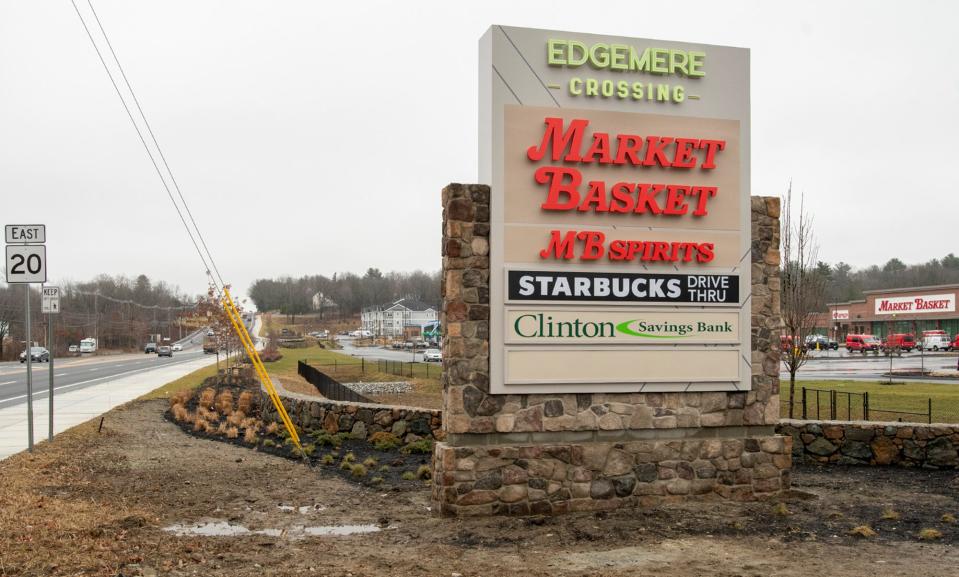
165,351
432,355
74,349
38,354
149,348
863,344
177,347
821,342
903,341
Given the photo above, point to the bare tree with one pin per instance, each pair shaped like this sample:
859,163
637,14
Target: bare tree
803,287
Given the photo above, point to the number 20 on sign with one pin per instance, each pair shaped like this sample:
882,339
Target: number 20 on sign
26,263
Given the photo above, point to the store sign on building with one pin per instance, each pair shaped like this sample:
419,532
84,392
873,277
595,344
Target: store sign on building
916,304
840,314
620,212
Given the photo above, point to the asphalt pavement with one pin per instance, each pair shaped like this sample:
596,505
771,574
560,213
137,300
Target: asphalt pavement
842,365
403,355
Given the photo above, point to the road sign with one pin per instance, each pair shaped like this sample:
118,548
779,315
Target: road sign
26,233
50,303
26,263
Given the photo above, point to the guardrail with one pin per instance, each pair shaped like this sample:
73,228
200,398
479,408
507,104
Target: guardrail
328,386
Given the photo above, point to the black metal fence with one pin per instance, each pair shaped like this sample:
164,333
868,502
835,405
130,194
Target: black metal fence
354,368
832,405
328,386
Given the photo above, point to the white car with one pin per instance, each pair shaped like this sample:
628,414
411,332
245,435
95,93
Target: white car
431,355
177,347
74,349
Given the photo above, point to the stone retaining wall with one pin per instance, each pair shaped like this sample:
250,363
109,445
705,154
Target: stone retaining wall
555,479
361,419
872,443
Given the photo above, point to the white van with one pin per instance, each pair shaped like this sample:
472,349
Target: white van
88,345
936,343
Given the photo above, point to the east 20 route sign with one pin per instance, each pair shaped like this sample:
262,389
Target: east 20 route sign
620,214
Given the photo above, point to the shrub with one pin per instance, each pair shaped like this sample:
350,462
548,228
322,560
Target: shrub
930,534
224,402
268,443
180,414
384,441
376,480
424,446
249,436
207,397
358,470
862,531
181,398
408,476
346,465
327,459
385,469
780,510
424,472
245,402
232,432
369,462
272,428
948,518
327,440
309,449
890,515
349,457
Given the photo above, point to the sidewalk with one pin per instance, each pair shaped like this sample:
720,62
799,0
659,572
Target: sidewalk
75,407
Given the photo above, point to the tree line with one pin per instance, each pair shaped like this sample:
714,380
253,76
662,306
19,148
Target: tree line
843,283
120,312
349,292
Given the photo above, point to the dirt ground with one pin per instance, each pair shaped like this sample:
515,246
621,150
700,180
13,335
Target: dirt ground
97,504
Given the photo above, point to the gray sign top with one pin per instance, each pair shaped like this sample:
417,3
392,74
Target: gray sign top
26,233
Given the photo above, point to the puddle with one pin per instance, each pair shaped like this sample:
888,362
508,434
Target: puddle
225,529
301,510
340,530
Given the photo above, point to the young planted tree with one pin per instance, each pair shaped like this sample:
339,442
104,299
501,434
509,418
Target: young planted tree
803,287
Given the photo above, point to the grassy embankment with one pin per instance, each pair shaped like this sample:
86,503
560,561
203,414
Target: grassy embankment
910,396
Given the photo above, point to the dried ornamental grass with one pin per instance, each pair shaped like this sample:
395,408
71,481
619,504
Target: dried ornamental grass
207,396
232,432
224,402
249,436
862,531
245,402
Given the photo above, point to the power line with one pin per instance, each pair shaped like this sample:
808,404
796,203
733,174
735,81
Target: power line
145,145
155,141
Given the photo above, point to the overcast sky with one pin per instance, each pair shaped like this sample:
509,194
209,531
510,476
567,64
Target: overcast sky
314,137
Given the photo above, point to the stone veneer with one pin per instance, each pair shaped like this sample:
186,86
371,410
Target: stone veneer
933,446
360,419
551,453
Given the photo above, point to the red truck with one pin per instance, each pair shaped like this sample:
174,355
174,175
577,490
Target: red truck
902,341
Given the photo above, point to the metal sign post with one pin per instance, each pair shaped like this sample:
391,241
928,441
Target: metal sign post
27,263
50,305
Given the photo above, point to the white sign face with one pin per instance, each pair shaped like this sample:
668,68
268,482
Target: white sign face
26,233
922,304
50,303
840,315
620,217
26,263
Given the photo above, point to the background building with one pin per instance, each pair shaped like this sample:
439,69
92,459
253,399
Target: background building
905,310
389,320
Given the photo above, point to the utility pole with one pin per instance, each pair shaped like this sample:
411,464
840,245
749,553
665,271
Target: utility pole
96,321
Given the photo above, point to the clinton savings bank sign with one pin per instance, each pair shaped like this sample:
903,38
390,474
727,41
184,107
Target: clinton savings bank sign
620,223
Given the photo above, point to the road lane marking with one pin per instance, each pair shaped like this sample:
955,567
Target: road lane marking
8,383
59,374
130,372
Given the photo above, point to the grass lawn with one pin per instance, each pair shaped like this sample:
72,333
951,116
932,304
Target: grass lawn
190,381
884,400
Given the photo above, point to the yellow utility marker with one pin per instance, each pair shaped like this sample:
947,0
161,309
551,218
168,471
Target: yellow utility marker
247,342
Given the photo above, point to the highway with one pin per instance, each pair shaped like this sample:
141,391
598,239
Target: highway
76,373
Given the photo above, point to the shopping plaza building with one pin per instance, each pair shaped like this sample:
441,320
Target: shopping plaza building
906,310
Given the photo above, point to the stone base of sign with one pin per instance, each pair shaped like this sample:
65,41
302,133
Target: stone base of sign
549,479
550,452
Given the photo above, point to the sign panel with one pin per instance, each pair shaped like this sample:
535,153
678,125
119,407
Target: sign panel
840,314
26,263
620,212
943,303
50,301
26,233
564,326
